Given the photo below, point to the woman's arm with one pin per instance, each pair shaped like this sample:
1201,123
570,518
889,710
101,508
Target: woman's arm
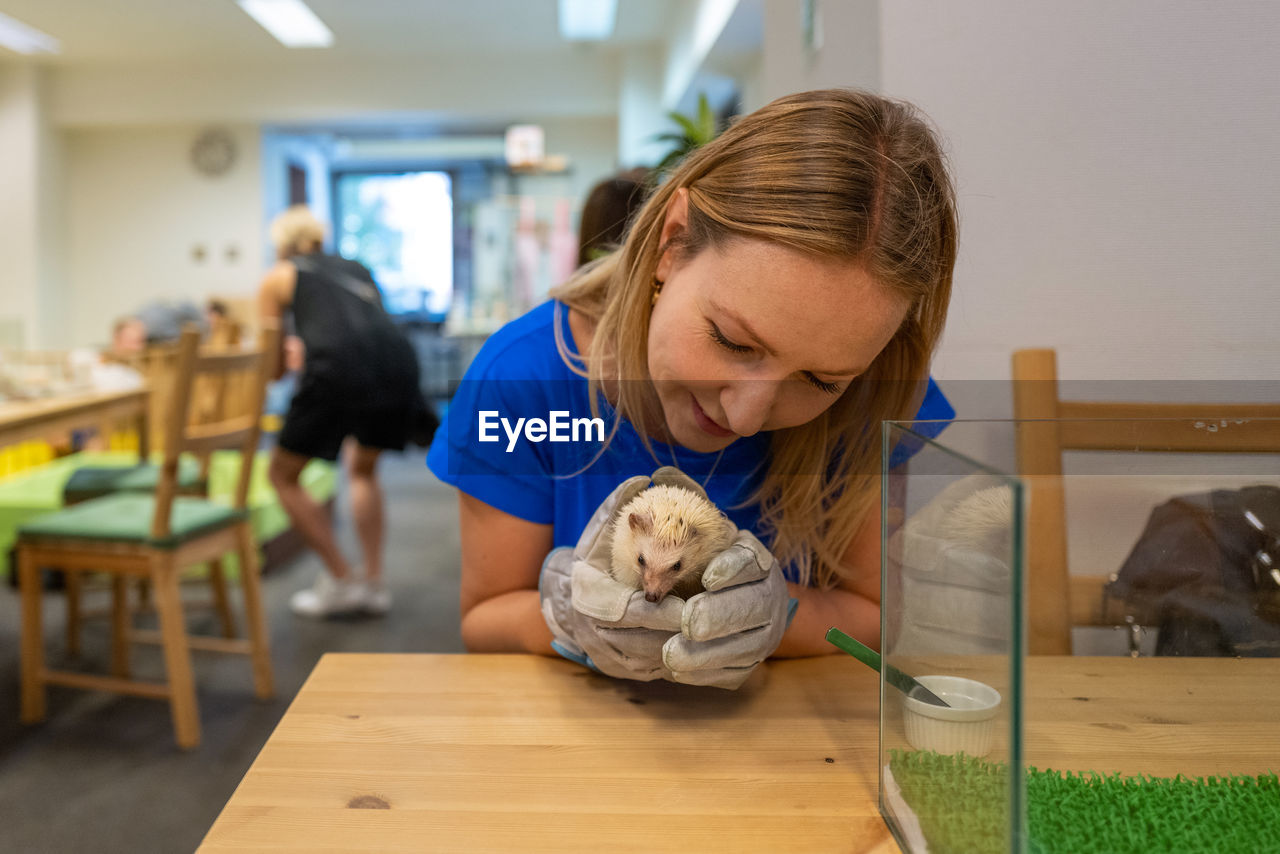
275,294
853,606
501,558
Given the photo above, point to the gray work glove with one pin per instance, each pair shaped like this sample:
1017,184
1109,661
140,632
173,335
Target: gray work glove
716,638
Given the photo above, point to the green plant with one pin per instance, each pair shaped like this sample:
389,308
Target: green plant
694,131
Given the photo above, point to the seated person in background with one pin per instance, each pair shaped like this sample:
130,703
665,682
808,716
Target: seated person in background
128,337
359,379
164,321
217,318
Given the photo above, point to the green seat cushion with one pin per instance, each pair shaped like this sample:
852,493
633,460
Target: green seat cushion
32,493
126,517
94,481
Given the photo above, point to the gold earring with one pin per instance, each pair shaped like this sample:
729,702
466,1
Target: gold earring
657,289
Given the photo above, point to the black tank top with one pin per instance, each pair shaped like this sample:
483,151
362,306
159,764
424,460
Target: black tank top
353,347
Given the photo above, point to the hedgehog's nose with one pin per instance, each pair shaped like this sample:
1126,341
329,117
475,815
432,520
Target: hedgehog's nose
650,596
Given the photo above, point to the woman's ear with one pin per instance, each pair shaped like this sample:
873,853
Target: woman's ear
673,225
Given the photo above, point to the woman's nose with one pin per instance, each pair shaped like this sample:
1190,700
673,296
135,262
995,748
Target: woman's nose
747,404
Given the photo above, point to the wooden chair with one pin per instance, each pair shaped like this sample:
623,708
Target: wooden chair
154,536
1047,426
214,398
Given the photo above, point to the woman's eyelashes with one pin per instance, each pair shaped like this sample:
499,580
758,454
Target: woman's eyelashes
742,349
822,385
724,342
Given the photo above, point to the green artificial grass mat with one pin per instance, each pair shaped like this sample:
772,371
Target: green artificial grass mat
962,804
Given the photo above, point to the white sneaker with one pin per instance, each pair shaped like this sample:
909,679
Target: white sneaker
328,597
377,600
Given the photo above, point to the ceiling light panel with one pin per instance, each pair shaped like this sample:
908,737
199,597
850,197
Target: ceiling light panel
17,36
291,21
587,20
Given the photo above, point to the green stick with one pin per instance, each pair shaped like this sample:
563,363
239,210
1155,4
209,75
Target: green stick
892,675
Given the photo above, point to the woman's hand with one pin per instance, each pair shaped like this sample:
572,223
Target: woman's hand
716,638
596,620
737,623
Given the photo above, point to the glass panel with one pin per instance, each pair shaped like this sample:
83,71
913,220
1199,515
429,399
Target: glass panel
1140,712
951,580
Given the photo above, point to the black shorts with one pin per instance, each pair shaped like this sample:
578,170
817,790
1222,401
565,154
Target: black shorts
321,417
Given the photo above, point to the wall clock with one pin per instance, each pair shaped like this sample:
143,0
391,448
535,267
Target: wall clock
214,152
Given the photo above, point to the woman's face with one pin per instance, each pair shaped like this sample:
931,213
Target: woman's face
753,336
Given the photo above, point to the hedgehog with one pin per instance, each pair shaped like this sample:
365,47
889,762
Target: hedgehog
981,521
664,538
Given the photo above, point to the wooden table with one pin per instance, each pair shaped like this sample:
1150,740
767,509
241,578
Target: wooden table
1159,716
508,753
37,419
521,753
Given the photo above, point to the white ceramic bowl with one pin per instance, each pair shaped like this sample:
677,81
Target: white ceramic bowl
966,724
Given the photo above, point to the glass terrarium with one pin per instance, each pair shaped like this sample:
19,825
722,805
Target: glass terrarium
1093,637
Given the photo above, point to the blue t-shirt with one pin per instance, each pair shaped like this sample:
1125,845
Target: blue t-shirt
550,474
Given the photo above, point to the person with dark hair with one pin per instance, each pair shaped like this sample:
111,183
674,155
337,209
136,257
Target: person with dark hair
607,211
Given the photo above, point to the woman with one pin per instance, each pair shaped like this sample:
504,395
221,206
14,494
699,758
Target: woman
359,380
776,298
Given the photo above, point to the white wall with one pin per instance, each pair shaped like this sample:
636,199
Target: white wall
30,195
694,27
18,237
640,113
846,51
1114,162
591,144
136,208
51,331
1117,180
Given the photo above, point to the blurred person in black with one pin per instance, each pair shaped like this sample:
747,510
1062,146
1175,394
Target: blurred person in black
359,379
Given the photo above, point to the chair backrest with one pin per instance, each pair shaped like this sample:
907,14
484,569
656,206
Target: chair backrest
236,426
216,397
157,364
1046,427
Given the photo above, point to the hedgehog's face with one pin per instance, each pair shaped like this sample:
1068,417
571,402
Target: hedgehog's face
659,559
660,568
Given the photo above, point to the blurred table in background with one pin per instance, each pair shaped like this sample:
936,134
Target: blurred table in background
21,420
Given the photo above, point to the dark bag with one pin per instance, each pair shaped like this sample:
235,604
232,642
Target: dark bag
1206,571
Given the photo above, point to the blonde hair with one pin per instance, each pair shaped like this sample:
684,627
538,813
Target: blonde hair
294,230
836,173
